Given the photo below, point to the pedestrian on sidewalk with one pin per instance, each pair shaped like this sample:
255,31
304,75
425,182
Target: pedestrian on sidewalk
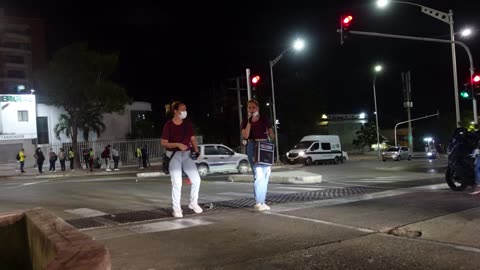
144,156
107,156
178,137
21,158
61,158
40,159
91,155
52,157
256,129
85,157
138,155
116,158
71,157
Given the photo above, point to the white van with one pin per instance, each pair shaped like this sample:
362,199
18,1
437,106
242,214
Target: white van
316,149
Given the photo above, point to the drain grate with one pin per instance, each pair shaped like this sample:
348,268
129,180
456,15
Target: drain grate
159,213
85,223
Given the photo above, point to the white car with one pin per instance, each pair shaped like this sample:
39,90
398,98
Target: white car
218,158
396,153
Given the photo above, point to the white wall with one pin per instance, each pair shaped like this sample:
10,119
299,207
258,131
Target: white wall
10,127
117,124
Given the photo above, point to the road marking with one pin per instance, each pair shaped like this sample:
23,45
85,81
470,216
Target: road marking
34,183
301,188
238,194
431,187
86,212
24,185
151,227
355,198
373,181
365,230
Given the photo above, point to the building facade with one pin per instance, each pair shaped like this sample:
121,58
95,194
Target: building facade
118,125
27,124
22,52
343,125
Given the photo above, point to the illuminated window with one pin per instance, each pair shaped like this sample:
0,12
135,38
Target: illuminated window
22,116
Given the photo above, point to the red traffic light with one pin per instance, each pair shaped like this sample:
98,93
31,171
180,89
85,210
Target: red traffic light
347,20
476,78
255,79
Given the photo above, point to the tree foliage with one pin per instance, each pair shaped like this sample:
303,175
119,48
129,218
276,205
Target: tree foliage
366,136
78,80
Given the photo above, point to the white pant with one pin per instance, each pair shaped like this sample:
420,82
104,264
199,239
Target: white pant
181,160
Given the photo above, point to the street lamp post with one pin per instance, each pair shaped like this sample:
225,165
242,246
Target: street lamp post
446,18
377,69
298,45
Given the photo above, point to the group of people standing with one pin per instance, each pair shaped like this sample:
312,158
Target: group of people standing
141,154
62,156
178,138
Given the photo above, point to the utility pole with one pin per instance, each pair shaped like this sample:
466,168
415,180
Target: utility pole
239,99
249,89
407,98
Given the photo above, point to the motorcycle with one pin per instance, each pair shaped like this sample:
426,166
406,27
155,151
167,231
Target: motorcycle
461,159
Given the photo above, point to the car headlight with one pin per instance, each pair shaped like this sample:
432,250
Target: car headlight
302,153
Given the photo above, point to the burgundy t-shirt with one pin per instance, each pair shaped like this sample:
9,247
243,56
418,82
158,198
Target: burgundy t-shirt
178,133
259,129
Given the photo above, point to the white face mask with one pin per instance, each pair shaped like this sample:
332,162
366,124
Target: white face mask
183,114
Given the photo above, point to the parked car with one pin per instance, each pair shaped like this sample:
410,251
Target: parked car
396,153
218,158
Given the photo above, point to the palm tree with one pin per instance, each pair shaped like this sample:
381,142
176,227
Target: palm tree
92,122
64,125
89,122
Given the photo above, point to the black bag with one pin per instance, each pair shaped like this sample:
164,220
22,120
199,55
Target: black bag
18,157
264,153
166,162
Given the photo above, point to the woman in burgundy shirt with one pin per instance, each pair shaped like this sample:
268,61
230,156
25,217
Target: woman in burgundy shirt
178,138
257,128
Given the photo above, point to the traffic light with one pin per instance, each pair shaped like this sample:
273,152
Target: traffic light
475,85
467,92
472,89
255,80
344,24
476,79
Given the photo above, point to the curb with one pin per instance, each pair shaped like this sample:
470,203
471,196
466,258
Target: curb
280,179
150,174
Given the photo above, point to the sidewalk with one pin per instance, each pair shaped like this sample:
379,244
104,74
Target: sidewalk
13,171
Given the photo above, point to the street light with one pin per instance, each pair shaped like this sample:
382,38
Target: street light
298,45
446,18
377,69
466,32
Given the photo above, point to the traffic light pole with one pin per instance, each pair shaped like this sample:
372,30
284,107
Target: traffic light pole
474,101
409,121
249,89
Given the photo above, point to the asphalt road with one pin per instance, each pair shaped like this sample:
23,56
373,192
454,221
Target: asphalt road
116,194
364,215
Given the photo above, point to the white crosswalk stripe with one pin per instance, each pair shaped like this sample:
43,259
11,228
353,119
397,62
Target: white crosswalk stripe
86,212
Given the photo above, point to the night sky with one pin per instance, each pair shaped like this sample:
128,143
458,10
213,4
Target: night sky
181,51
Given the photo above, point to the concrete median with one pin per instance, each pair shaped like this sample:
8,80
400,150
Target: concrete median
38,239
292,177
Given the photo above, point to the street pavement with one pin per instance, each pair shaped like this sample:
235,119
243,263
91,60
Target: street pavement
364,214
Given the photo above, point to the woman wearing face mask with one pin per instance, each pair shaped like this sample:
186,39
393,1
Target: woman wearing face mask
178,138
255,129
